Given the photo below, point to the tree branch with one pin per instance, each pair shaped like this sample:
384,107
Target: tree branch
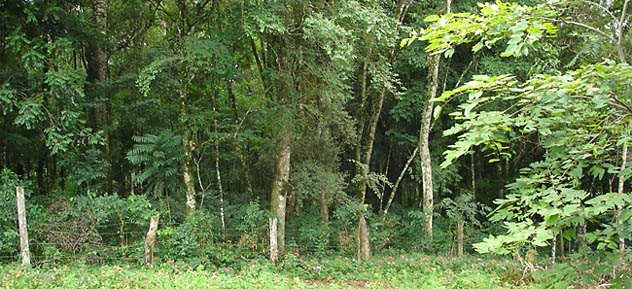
620,32
600,7
581,25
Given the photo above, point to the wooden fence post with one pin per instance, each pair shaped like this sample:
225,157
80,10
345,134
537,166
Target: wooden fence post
150,240
24,235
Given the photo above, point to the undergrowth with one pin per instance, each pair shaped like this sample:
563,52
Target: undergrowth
295,271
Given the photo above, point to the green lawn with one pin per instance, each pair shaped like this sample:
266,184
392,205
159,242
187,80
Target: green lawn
399,271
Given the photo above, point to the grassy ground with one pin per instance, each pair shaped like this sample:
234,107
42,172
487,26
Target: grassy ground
398,271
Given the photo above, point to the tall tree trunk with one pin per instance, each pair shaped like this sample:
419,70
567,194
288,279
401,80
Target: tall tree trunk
473,174
322,198
424,146
621,187
324,209
362,167
187,153
239,146
364,146
218,174
278,196
97,68
424,134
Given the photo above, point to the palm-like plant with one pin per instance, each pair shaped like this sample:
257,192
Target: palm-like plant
158,157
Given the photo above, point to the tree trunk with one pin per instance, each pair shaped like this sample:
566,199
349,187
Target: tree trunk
554,250
324,209
399,179
473,174
424,134
424,145
219,186
278,196
218,174
274,246
364,146
96,70
186,173
621,188
362,166
187,149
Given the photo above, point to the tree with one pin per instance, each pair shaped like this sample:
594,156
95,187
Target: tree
295,43
578,117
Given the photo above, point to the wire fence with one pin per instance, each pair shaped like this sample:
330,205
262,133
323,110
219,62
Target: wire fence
91,246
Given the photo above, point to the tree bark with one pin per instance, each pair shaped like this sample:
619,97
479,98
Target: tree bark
97,74
424,134
473,174
364,146
189,185
218,174
278,196
274,247
24,235
324,209
187,149
621,188
424,145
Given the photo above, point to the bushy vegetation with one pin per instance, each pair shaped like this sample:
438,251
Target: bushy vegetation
296,271
298,130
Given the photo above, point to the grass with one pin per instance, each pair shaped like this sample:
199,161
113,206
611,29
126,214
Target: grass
394,271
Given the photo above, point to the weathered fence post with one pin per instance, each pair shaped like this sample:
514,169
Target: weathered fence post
150,240
459,239
274,247
24,235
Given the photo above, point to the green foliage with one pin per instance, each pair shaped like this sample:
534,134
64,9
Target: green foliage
85,168
311,179
588,269
190,240
158,157
252,223
523,25
375,181
312,236
384,271
463,208
10,237
572,144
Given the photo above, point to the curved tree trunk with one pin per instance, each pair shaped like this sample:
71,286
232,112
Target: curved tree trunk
424,145
424,134
364,146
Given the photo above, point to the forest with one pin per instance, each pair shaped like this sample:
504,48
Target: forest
315,144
